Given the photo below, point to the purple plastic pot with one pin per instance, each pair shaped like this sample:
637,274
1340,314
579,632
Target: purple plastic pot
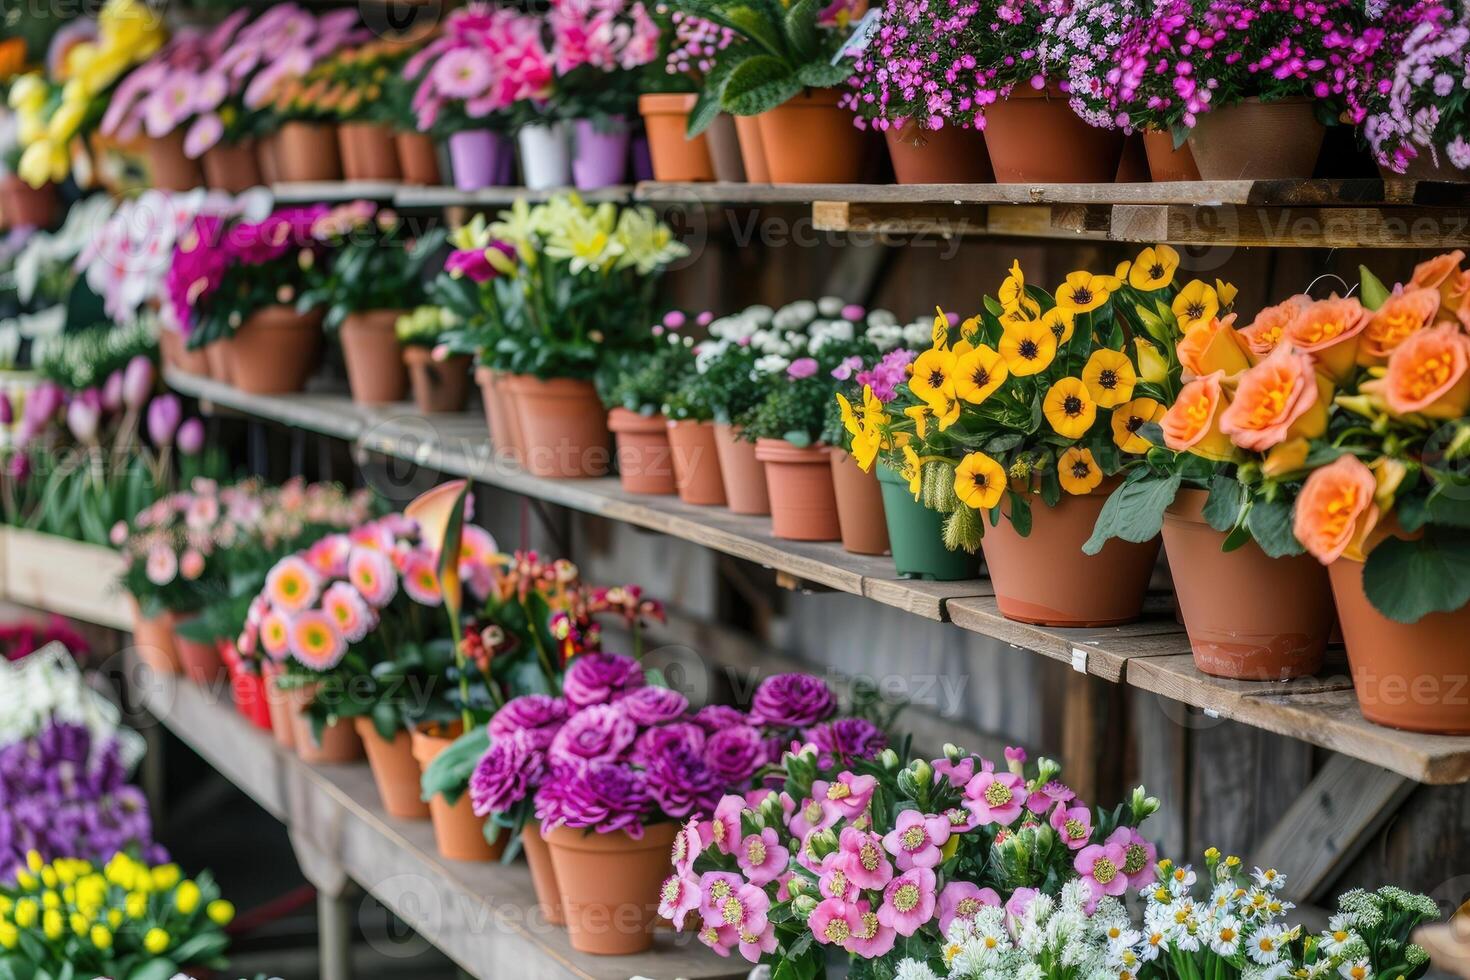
601,158
480,158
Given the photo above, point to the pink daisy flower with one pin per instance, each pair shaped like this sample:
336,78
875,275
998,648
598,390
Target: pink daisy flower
421,581
347,608
292,586
316,641
371,572
275,635
908,901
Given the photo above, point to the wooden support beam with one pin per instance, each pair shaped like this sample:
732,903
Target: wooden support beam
1291,227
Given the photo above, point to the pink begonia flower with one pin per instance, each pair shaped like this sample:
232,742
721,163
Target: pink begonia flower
721,939
689,843
995,797
908,901
835,882
1073,826
1140,856
1017,905
678,897
834,922
811,817
959,773
916,839
872,939
1101,867
848,796
963,900
869,868
725,826
762,858
802,367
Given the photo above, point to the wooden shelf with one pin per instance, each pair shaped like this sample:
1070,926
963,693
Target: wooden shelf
480,915
334,191
70,578
1153,655
447,197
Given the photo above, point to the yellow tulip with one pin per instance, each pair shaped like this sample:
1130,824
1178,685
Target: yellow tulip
101,937
155,941
136,905
979,481
34,861
26,913
35,164
186,899
66,121
1070,408
1028,347
79,923
1078,471
1109,377
51,925
1151,364
28,93
1153,269
9,936
220,912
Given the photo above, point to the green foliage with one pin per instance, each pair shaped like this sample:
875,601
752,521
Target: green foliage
374,265
641,381
84,358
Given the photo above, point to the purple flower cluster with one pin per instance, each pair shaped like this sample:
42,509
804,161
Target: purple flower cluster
1420,104
884,377
64,795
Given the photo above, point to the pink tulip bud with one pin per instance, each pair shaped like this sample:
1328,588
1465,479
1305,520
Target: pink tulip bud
191,437
43,403
83,416
163,419
19,466
112,391
137,382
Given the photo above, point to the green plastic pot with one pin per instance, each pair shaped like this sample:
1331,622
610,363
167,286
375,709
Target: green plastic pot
916,535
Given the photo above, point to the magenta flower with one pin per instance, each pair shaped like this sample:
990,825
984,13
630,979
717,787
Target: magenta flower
505,774
847,797
761,857
995,797
1140,856
962,900
716,888
802,368
677,898
1101,866
654,705
598,733
689,843
596,678
540,716
872,938
834,922
754,945
811,817
1073,826
725,824
735,753
603,796
1046,798
869,867
916,840
908,901
792,701
469,263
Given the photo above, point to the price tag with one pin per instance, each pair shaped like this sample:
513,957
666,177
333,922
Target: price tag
1079,660
862,35
1211,713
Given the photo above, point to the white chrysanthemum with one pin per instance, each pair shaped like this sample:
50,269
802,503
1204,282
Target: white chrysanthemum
772,364
914,970
830,305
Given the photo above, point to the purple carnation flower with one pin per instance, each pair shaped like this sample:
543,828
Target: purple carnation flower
506,774
735,754
792,701
600,732
714,717
538,715
601,796
655,742
841,741
597,678
681,784
654,705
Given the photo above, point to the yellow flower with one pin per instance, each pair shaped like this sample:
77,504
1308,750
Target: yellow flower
1060,322
165,876
979,481
51,924
1078,471
26,913
114,918
1196,305
136,905
1128,418
48,877
1084,292
920,415
865,446
101,937
155,941
1226,291
913,470
28,93
1109,377
1151,364
1153,269
220,912
9,936
1070,408
939,336
933,378
1028,347
1012,292
25,880
79,923
949,416
66,121
34,861
844,409
978,374
186,899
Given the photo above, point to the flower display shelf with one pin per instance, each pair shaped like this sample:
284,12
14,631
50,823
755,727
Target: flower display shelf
1153,655
63,576
480,915
447,197
332,191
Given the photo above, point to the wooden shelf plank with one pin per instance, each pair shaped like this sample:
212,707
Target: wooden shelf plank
63,576
408,196
334,191
481,915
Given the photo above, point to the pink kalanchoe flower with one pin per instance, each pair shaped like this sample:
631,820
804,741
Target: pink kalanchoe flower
834,922
1101,866
908,901
679,896
1140,856
995,797
847,796
1073,825
725,826
963,900
761,857
869,867
916,839
835,882
872,938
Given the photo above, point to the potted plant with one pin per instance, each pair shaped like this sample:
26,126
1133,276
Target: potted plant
373,274
1425,42
688,44
439,380
359,79
634,390
693,436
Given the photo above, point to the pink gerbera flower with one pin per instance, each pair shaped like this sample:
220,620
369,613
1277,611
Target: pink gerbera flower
347,608
421,581
292,586
908,901
275,635
316,641
372,573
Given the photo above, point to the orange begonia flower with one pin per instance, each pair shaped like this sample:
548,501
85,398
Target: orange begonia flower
1192,423
1328,330
1336,510
1265,331
1427,375
1213,347
1401,315
1279,399
1433,272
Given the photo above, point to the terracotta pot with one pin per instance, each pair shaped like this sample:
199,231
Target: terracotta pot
438,386
219,359
267,155
543,875
232,167
675,158
859,506
1034,136
696,463
1407,675
275,350
153,641
307,151
177,355
459,834
644,465
168,168
501,413
395,770
279,706
1133,165
752,149
743,474
375,371
368,152
1284,140
724,150
1270,624
339,742
1045,578
418,157
27,206
799,481
952,155
200,660
563,424
1166,163
610,886
810,140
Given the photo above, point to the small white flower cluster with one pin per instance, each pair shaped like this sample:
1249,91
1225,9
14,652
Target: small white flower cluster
1046,940
48,685
802,329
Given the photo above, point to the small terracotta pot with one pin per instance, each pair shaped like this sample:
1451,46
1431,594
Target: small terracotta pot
232,167
1412,676
563,424
459,834
543,875
267,156
743,474
1270,624
675,158
307,151
176,354
809,139
859,506
339,742
418,157
219,359
644,464
501,413
752,149
368,152
610,886
395,770
275,350
1034,136
951,155
200,660
168,168
1166,163
27,206
724,150
375,371
153,641
799,481
1284,140
697,471
438,386
1045,578
279,706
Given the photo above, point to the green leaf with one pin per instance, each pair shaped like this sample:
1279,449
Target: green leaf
824,74
1227,497
797,438
155,970
800,25
1134,511
1373,293
1020,513
449,774
1269,522
758,84
1408,580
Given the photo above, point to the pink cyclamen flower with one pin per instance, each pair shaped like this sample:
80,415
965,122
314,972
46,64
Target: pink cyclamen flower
678,897
869,867
908,901
1073,825
761,857
1101,866
834,922
802,367
995,797
847,796
963,900
916,839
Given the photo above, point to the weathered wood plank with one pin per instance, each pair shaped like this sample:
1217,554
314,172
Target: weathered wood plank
1292,227
64,576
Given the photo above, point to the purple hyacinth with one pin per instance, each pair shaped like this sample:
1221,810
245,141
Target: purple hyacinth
792,701
735,754
654,705
597,678
601,796
599,733
845,739
506,774
539,715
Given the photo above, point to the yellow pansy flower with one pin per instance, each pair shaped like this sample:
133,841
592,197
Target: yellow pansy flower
845,412
1151,364
865,446
1078,471
913,471
950,415
1153,269
1012,292
1128,418
979,481
920,415
1109,377
1226,291
1069,408
155,941
1084,292
934,376
1028,347
939,336
1060,322
979,373
1196,305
